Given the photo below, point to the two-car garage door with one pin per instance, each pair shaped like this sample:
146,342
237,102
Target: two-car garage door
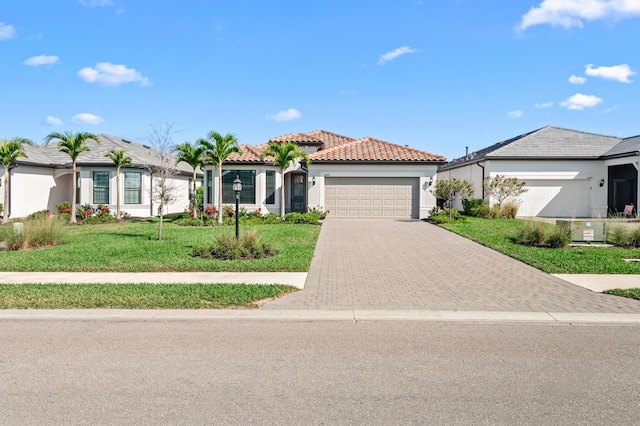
392,198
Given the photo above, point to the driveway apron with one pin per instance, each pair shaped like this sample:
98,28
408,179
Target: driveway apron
413,265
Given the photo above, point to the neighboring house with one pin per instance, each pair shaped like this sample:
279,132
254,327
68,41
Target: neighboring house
568,173
358,178
44,179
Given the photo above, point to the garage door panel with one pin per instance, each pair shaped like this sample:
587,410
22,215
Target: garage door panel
372,197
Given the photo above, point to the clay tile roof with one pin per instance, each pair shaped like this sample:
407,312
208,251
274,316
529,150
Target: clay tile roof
248,154
330,139
299,138
370,149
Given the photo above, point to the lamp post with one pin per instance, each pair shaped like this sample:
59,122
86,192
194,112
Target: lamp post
237,187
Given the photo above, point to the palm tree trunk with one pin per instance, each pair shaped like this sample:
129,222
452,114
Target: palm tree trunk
5,206
220,194
118,193
282,193
195,199
73,195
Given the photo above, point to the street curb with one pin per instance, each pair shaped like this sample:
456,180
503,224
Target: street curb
316,316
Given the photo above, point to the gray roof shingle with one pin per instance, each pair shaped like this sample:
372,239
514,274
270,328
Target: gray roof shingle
628,146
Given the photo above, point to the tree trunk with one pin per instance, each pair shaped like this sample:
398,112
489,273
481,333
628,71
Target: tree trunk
195,199
5,206
282,204
118,193
73,195
219,194
160,226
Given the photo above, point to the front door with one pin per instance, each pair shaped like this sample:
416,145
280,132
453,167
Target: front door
298,192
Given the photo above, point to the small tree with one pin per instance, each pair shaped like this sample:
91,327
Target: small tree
163,190
284,154
450,189
72,144
193,156
501,188
120,159
10,151
218,149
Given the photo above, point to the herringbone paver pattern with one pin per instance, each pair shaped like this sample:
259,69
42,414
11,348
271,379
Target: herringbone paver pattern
398,265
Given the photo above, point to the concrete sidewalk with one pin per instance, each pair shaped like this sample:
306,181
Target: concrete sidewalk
600,283
295,279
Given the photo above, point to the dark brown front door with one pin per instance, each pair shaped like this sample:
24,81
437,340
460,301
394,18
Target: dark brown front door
298,192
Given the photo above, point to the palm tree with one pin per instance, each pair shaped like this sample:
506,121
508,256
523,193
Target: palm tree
218,149
10,151
73,145
193,155
284,154
120,159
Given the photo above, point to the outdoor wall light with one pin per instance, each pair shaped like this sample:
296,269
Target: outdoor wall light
602,183
237,188
313,181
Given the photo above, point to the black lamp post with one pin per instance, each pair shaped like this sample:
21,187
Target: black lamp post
237,187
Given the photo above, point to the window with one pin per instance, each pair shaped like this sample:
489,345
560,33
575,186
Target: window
209,186
248,193
100,187
132,188
271,187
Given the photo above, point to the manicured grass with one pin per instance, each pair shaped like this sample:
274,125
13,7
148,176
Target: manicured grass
136,296
133,247
631,293
498,234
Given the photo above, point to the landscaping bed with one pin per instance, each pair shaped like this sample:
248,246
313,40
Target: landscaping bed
501,235
138,296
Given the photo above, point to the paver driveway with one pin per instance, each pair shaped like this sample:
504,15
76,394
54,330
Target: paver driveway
397,265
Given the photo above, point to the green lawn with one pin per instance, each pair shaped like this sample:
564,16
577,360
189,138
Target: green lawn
132,246
632,293
498,234
136,296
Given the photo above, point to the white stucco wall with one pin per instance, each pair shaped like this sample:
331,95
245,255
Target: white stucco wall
34,189
425,172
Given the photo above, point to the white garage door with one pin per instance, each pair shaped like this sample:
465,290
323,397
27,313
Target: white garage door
556,198
392,198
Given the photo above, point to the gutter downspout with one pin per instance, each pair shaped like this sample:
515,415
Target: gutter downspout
482,167
151,193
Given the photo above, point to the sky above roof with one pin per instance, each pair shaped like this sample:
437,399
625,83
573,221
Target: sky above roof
437,75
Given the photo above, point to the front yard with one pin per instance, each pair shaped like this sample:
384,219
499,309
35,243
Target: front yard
499,234
133,247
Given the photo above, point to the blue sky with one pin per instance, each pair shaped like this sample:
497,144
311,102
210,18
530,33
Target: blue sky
437,75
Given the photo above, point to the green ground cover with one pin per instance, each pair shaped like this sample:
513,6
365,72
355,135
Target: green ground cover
499,234
132,246
136,296
631,293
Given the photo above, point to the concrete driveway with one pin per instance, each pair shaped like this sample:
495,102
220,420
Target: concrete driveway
413,265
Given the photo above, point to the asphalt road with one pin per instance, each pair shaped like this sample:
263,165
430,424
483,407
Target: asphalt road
216,372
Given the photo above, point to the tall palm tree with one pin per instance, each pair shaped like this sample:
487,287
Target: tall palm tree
120,158
218,149
10,151
284,154
193,155
72,144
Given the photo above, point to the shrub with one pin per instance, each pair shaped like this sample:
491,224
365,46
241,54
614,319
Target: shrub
559,237
1,208
102,210
189,221
618,235
634,237
39,215
226,247
494,212
64,207
509,210
532,234
472,205
85,211
310,218
446,215
227,210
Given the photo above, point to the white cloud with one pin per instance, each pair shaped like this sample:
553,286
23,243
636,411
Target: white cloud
619,73
6,31
286,115
574,79
544,105
36,61
96,3
571,13
580,101
53,121
87,118
112,75
515,114
389,56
